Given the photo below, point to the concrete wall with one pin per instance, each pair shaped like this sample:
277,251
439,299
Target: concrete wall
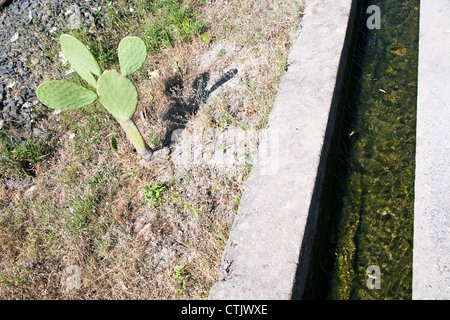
431,257
268,251
269,247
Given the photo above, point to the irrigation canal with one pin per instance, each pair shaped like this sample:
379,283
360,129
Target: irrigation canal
363,249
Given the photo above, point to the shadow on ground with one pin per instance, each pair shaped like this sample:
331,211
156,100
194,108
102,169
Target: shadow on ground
182,108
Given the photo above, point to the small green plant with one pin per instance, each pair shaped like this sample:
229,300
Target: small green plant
81,215
197,212
153,194
180,275
172,20
206,39
237,202
21,155
114,91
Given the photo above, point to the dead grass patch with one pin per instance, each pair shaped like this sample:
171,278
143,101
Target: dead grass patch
86,217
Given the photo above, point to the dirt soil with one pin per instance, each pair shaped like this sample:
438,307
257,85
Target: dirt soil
81,218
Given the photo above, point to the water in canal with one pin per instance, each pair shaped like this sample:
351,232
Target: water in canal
367,208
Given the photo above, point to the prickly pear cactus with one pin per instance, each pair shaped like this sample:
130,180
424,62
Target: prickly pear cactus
64,95
132,53
81,59
117,94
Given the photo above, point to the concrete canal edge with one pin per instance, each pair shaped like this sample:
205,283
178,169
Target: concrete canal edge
268,251
431,256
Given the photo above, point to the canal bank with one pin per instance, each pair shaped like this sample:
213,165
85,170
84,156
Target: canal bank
268,251
431,270
273,244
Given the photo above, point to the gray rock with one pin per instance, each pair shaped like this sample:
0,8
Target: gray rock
30,191
18,183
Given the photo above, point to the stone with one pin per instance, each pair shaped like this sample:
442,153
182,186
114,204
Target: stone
73,17
30,191
18,183
269,247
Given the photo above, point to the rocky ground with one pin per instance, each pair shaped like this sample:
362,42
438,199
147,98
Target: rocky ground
19,23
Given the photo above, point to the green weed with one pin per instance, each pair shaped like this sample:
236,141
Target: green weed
180,279
172,20
152,194
81,214
21,155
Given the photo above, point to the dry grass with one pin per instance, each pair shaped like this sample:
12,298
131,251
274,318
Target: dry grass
86,212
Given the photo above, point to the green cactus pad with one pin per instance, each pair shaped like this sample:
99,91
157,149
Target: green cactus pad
132,54
64,95
118,95
81,59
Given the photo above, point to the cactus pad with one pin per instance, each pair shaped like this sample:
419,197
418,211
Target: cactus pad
64,95
132,54
81,59
118,95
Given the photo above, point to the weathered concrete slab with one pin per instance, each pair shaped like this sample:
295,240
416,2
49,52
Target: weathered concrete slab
269,246
431,258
